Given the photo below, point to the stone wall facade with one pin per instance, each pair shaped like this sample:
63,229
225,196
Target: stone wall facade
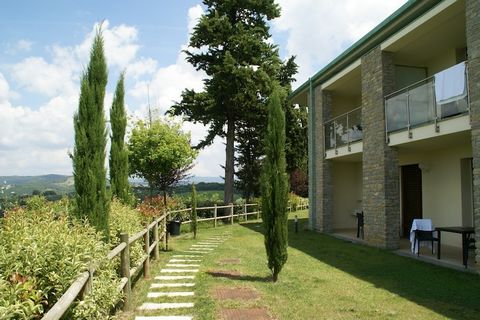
473,52
381,195
323,167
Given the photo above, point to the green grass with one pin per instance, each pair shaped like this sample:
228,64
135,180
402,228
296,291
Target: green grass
327,278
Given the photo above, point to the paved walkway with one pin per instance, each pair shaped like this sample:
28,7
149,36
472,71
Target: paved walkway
172,294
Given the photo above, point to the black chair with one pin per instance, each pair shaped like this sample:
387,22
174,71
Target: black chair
423,236
359,223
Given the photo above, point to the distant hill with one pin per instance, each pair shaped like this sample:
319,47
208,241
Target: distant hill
63,184
196,180
20,185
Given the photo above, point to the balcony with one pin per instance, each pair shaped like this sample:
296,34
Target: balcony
344,130
437,98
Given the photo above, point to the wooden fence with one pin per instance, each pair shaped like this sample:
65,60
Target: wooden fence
83,283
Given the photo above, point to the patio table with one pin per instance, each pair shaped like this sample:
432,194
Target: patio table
466,233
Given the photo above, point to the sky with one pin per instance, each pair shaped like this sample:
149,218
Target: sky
44,47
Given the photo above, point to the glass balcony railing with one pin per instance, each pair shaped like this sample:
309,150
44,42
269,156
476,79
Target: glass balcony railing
344,129
438,97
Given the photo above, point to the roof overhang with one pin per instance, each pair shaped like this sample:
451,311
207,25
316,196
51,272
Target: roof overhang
394,23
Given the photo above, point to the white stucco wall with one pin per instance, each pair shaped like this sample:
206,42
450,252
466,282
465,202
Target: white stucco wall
441,186
347,193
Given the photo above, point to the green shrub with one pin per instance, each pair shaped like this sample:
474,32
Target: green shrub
42,251
125,219
19,299
295,201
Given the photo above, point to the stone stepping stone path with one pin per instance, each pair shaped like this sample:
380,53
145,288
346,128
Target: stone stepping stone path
245,314
237,294
164,318
222,293
172,292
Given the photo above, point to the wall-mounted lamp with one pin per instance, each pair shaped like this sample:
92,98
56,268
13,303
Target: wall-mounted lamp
425,167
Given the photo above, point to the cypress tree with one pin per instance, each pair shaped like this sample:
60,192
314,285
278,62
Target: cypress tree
120,187
89,170
274,187
193,218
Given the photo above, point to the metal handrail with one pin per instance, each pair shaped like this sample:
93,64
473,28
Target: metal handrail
334,121
411,87
342,115
416,84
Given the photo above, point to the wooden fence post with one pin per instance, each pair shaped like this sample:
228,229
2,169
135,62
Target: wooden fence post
231,212
164,225
146,246
215,216
245,212
166,243
258,211
157,240
125,271
88,285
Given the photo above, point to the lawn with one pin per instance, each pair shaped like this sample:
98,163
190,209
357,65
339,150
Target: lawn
326,278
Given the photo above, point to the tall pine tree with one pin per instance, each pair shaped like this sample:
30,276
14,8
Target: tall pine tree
251,129
90,142
274,187
118,153
234,52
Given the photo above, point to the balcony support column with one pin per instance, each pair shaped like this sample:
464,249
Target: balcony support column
321,197
473,51
381,198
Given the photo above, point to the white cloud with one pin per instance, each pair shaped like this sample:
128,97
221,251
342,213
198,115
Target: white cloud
318,31
165,87
36,139
194,14
38,76
167,83
4,89
61,74
120,43
22,45
141,67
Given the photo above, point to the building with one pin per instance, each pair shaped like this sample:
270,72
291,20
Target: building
394,126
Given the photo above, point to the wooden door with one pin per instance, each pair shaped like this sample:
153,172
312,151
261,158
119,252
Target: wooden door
411,196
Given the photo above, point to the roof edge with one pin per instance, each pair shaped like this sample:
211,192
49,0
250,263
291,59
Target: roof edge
392,24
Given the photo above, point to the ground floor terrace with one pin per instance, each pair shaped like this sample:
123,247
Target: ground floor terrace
323,278
432,179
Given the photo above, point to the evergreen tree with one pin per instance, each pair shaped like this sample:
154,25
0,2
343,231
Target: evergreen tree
296,127
249,151
230,44
274,187
118,153
252,127
90,142
193,218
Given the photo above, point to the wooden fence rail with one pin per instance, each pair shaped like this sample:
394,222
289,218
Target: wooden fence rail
83,283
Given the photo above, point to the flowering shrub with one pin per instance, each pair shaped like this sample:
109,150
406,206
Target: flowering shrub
42,251
154,206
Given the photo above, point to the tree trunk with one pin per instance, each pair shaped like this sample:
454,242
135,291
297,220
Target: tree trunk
275,275
229,163
165,199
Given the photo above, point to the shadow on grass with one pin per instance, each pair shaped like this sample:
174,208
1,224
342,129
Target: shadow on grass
233,275
448,292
